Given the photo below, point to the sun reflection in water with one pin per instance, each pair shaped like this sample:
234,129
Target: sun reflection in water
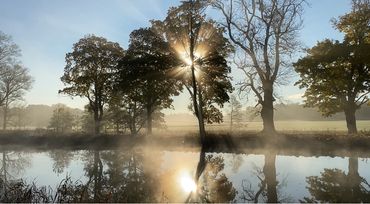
187,183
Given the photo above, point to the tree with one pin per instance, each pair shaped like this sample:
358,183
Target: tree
203,49
14,82
265,33
9,51
235,111
90,71
62,119
19,117
145,69
336,74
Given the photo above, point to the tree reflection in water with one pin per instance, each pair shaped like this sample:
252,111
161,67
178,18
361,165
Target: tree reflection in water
334,185
113,176
61,159
213,185
124,180
269,189
12,164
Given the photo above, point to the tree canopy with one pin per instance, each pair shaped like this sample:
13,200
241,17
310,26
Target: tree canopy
145,74
189,32
90,70
336,74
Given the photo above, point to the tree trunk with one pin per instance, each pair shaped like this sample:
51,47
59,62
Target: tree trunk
354,180
4,171
267,112
196,93
269,171
231,118
96,175
117,128
350,114
96,122
5,117
202,130
149,120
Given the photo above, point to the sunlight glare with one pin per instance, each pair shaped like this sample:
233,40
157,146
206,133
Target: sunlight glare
187,183
188,61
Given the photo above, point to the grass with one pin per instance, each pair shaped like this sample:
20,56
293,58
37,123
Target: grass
318,143
331,126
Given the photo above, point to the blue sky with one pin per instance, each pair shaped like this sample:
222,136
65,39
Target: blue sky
46,30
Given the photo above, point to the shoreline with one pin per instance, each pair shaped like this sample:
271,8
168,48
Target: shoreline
288,143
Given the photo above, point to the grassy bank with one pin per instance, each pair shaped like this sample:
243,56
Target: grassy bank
289,142
290,125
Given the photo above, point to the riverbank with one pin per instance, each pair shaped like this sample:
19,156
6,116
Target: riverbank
291,143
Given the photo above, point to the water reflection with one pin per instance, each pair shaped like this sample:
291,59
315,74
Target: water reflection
12,164
124,179
269,189
334,185
62,159
137,175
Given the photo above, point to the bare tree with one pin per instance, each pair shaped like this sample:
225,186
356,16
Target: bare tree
9,51
265,32
14,82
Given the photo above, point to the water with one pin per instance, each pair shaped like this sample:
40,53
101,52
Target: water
168,176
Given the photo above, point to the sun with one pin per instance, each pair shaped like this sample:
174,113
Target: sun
187,183
186,59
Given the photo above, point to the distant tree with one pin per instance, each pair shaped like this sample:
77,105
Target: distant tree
146,70
62,119
235,113
14,82
265,34
203,49
90,71
87,121
19,117
336,74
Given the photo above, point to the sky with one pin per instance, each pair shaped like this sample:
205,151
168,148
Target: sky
46,30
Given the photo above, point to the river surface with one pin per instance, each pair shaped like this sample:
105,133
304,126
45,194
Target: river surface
169,176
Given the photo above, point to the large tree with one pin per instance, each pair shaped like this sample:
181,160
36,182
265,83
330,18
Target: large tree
14,82
336,74
265,32
200,44
145,69
90,71
14,78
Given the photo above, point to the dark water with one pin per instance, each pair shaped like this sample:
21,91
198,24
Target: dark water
166,176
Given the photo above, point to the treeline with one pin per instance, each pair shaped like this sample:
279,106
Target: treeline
35,116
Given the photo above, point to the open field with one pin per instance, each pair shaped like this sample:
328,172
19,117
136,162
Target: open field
337,126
